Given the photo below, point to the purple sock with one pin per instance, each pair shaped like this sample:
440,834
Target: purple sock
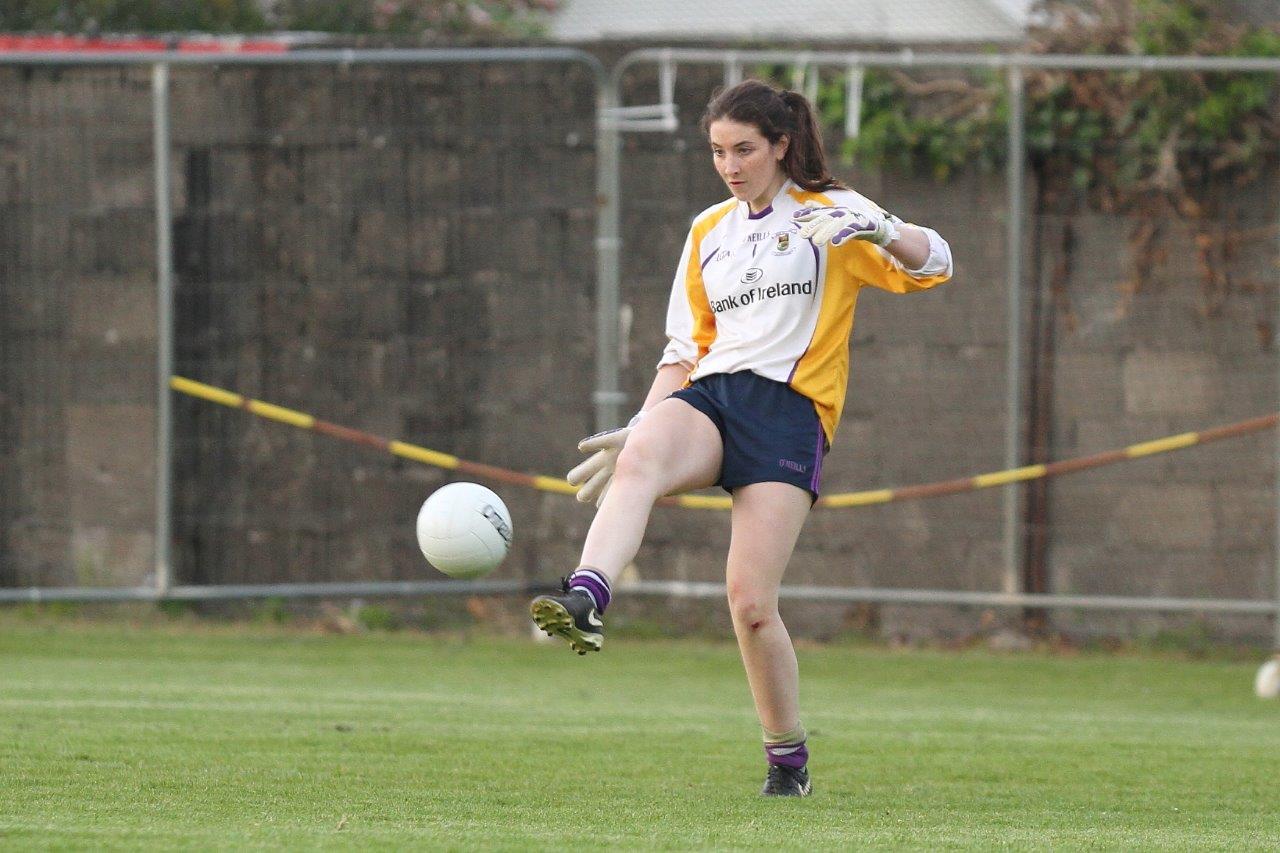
594,584
790,754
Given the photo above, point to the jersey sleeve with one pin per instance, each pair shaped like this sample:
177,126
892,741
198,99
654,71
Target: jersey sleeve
870,264
691,325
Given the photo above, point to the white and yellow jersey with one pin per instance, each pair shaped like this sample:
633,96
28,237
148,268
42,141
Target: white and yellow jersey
749,294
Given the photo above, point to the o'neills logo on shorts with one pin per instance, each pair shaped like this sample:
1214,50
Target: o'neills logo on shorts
759,294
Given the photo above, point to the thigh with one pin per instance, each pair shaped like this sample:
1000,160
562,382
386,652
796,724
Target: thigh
766,523
772,434
680,444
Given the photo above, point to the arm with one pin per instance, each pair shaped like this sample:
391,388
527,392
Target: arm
670,377
908,257
594,475
886,269
911,247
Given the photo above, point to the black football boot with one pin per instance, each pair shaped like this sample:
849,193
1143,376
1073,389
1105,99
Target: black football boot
572,615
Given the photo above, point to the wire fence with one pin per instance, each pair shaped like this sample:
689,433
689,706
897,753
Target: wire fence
423,249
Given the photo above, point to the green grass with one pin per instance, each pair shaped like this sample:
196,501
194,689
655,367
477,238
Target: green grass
116,737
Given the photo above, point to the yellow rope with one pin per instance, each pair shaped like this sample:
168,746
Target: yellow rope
557,485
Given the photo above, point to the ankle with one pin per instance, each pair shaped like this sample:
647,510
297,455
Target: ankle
787,748
594,583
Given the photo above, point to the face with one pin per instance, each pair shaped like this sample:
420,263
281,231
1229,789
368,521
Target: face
747,162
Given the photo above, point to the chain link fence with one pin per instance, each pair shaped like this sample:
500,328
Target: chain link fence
411,249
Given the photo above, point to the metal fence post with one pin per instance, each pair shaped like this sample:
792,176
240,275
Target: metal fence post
1013,368
1276,591
608,398
164,323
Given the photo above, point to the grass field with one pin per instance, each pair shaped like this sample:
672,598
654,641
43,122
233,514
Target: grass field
116,737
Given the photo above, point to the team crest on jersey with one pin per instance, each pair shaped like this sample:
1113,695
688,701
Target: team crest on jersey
784,242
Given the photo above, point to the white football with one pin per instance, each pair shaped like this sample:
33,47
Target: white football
1267,682
464,530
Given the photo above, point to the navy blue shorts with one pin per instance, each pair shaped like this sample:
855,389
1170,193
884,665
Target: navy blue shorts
771,433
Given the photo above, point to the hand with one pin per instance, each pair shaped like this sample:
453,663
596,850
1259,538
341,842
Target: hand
594,476
837,224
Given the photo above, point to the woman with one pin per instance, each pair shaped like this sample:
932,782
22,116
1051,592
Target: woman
750,387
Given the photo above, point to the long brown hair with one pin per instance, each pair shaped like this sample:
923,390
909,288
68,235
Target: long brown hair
777,113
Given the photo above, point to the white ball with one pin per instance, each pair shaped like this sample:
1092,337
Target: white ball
464,530
1267,683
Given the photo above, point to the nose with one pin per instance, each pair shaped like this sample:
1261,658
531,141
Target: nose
730,166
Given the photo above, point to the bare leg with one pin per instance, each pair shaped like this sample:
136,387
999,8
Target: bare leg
675,448
767,518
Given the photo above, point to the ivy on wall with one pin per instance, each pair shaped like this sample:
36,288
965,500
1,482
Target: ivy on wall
939,126
1159,148
453,20
1111,133
136,16
428,20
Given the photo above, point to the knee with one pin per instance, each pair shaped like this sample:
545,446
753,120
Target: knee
751,607
638,462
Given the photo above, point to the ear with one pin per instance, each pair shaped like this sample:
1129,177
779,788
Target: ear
782,144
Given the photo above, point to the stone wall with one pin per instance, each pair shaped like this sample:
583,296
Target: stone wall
77,328
410,252
1194,345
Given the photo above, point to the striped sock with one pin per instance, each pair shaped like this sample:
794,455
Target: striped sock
790,754
594,584
787,748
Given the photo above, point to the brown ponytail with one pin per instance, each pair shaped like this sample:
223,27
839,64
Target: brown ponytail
777,113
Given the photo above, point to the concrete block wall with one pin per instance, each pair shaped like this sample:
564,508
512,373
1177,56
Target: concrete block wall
1171,358
385,249
77,309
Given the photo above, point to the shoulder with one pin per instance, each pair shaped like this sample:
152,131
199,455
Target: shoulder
838,197
712,216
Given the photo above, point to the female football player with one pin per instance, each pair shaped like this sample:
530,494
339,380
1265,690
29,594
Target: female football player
750,387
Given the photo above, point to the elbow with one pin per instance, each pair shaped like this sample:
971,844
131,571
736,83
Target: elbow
938,264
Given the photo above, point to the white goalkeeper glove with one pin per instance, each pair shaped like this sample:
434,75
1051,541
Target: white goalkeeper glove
594,476
836,224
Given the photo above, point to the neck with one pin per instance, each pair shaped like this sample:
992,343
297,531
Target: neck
766,198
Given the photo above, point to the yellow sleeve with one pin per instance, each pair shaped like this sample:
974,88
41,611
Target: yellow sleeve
691,324
704,319
869,264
